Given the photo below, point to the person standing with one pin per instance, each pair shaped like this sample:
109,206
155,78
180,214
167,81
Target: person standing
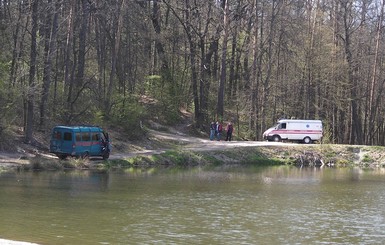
218,130
212,130
229,129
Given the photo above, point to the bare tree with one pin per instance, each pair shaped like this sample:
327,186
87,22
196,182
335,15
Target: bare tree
29,123
222,81
50,34
116,36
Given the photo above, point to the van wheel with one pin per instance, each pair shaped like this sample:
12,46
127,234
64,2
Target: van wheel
106,156
86,155
307,140
62,157
276,138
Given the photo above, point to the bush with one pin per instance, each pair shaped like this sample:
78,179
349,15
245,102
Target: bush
327,137
129,114
8,106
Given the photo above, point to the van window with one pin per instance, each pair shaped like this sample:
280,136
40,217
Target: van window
282,126
67,136
95,137
86,137
56,135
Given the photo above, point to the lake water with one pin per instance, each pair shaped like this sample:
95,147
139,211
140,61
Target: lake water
226,205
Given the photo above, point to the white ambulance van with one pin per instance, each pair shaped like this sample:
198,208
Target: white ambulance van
305,131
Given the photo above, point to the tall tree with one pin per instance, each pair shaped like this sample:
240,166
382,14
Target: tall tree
50,34
355,119
115,45
376,87
222,81
29,123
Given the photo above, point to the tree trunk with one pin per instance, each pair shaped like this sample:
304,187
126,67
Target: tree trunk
16,47
356,125
374,88
82,44
266,81
206,73
256,68
222,81
49,50
32,71
68,63
232,81
114,56
193,63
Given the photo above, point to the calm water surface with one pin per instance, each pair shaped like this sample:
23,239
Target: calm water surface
233,205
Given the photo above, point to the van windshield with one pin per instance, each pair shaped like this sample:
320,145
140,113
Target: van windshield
56,135
281,126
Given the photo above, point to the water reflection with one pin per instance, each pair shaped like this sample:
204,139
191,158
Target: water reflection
223,205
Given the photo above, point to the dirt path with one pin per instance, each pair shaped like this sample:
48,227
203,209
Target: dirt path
177,139
190,143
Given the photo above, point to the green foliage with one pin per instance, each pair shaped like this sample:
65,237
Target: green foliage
176,157
79,162
99,117
327,136
8,107
353,149
376,148
327,150
40,163
263,161
118,163
343,163
170,114
167,97
4,71
367,159
153,85
214,161
128,115
245,132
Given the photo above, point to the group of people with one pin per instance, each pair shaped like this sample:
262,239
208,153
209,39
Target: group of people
216,131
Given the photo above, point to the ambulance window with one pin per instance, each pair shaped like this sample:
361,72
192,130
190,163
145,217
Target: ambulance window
283,125
67,136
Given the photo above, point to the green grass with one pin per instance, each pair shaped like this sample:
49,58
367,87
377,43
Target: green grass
341,163
367,159
40,163
212,160
263,161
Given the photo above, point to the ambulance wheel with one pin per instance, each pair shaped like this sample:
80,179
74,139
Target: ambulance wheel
307,140
276,138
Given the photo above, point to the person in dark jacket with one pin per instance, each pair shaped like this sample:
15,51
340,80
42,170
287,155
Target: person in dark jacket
229,129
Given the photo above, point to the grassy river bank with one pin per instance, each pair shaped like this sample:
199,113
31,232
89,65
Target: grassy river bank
316,155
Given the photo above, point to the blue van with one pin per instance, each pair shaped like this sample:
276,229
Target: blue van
79,141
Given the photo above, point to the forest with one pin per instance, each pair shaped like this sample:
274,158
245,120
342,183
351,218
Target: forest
247,61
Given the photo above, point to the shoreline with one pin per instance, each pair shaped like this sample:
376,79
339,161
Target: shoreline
300,155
